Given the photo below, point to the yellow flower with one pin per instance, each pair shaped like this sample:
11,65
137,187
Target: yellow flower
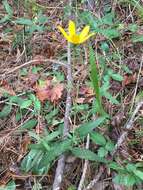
73,37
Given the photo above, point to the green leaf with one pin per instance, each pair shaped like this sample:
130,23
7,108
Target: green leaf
98,138
86,154
5,19
29,124
24,21
37,105
5,111
25,104
111,98
138,38
31,160
94,79
102,152
56,150
16,99
52,136
110,33
117,77
138,173
105,47
133,27
117,167
127,180
131,167
10,186
8,8
108,18
42,19
86,128
110,146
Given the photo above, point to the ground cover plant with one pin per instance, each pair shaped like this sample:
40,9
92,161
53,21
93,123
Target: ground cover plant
71,95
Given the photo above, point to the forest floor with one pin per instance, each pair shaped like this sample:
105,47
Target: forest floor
35,60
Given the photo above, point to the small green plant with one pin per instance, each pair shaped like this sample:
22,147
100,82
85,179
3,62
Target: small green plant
127,175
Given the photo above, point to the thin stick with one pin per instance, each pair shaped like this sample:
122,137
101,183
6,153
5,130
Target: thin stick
84,167
33,61
61,162
96,178
128,126
136,87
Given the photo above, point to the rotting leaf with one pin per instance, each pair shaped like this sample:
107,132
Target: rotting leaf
49,90
5,88
128,79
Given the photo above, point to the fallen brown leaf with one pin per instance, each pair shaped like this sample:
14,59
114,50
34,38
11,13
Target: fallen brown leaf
128,79
6,88
49,91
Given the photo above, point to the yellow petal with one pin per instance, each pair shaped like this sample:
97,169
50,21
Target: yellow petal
84,32
86,38
63,32
72,28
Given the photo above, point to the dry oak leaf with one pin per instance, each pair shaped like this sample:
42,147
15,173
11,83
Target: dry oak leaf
128,79
49,91
87,94
6,88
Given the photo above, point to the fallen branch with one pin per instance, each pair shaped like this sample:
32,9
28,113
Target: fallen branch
61,162
84,167
96,178
31,62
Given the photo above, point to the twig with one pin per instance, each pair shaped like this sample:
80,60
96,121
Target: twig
128,126
33,61
84,167
61,162
136,87
96,178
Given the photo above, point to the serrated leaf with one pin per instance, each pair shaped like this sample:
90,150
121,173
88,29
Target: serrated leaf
86,154
10,186
37,105
115,166
98,138
129,180
56,150
8,8
139,174
25,104
138,38
86,128
117,77
125,179
102,152
131,167
111,98
5,111
32,159
5,19
16,99
29,124
110,146
119,179
108,18
24,21
110,33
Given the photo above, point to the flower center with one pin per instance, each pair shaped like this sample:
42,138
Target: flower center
75,38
